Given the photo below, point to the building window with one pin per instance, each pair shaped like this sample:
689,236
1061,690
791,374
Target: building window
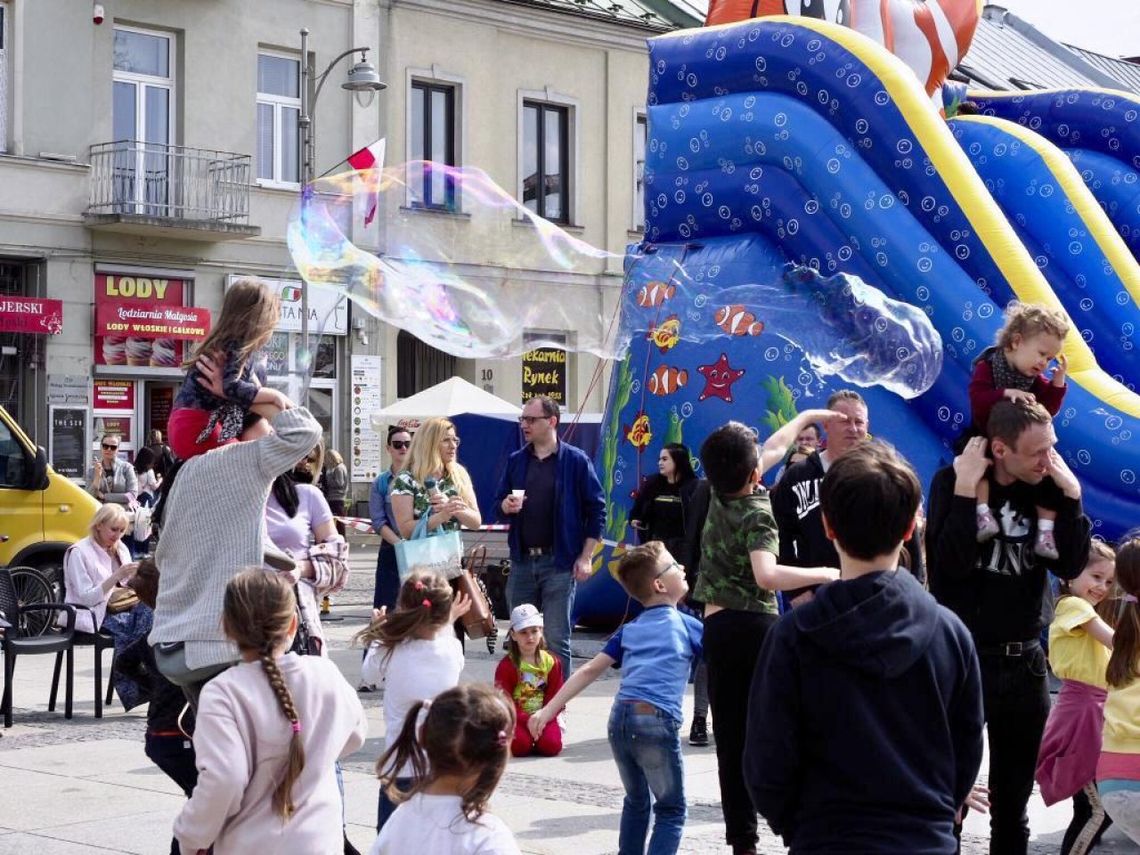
432,138
3,78
142,119
278,119
17,350
546,160
640,138
420,366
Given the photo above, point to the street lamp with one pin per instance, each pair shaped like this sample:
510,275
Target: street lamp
362,77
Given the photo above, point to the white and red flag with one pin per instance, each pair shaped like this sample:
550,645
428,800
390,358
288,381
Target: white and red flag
370,159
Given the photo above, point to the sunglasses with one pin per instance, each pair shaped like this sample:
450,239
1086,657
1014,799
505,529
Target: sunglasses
401,444
111,447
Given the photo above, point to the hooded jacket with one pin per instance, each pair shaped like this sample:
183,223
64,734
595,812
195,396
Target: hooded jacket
865,720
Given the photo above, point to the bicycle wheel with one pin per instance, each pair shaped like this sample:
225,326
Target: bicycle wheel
32,587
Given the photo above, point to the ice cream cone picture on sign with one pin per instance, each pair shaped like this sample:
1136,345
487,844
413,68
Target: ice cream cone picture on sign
115,350
139,351
164,353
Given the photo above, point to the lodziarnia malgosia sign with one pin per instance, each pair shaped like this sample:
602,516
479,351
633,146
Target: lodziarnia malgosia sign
150,320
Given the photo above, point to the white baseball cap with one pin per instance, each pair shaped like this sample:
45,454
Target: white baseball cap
524,617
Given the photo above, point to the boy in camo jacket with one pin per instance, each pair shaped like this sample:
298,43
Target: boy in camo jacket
738,580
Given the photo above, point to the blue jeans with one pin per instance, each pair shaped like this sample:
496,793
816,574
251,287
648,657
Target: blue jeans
550,589
647,749
385,806
387,578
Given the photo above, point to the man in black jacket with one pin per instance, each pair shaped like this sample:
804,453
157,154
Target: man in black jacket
998,589
795,499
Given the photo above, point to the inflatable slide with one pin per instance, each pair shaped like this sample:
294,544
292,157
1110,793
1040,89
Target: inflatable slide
788,156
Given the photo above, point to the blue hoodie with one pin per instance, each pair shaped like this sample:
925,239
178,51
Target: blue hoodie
865,720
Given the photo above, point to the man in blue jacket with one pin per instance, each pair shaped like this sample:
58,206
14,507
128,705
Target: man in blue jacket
553,500
865,716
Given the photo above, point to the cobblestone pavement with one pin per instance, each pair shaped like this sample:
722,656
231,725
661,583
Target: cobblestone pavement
84,785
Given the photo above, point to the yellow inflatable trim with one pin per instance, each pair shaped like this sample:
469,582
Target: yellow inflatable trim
969,191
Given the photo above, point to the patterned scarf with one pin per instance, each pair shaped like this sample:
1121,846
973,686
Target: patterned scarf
1006,376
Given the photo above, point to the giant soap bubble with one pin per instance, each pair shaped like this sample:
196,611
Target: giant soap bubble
467,280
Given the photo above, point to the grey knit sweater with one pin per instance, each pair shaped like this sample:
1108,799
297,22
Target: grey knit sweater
213,526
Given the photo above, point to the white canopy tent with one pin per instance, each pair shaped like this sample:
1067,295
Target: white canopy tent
450,398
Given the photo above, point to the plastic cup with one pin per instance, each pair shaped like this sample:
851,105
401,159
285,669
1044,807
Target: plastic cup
518,494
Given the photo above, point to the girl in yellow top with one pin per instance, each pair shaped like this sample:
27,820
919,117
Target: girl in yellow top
1080,639
1118,771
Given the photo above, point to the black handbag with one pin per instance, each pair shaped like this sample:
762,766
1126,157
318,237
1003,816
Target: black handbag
304,642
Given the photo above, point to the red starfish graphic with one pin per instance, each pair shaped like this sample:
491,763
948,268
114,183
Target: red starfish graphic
719,378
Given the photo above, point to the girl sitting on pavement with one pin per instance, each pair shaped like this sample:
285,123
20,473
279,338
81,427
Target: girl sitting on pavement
268,733
1080,639
458,754
416,655
531,676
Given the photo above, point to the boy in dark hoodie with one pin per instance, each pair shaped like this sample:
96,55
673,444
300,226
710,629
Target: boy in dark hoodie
865,715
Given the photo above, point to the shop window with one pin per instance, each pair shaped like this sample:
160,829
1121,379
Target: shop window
278,117
420,366
283,357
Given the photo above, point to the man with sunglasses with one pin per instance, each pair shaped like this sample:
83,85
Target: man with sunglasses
554,502
112,479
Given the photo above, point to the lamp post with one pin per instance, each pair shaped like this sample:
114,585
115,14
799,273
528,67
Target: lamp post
362,77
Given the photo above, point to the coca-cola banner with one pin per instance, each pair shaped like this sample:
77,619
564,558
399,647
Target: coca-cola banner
143,320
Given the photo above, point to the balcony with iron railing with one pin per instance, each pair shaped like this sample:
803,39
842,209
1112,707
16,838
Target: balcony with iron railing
155,189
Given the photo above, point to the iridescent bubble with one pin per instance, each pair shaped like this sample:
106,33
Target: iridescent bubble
467,283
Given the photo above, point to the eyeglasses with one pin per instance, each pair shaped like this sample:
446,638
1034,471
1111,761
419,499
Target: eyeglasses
400,444
529,420
450,440
673,566
109,446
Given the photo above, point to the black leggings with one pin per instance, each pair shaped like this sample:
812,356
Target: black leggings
1089,822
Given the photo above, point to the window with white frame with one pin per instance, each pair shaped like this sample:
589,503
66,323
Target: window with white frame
546,180
3,77
640,138
142,118
431,138
278,119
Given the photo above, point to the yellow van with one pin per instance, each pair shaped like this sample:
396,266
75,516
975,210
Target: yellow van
41,512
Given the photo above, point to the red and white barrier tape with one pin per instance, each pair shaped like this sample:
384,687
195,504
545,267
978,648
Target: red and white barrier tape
364,525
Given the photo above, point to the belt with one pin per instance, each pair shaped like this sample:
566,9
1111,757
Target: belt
642,707
538,551
1010,648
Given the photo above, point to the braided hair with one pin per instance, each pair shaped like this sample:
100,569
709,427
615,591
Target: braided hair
258,614
466,733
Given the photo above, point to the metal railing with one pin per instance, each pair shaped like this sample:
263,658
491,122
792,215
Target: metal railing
169,182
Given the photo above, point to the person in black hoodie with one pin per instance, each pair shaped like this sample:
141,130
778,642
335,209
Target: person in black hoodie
865,715
998,589
795,498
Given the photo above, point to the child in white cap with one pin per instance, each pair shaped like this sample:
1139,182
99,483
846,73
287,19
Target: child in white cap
531,675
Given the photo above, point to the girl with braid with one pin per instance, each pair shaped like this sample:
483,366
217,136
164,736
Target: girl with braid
414,653
269,731
458,746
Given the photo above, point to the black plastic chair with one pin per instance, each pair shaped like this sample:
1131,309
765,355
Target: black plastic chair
100,641
14,643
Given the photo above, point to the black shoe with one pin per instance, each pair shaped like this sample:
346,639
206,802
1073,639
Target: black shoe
699,732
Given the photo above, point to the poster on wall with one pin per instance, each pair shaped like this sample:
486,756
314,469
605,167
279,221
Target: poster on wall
67,441
367,444
544,373
143,321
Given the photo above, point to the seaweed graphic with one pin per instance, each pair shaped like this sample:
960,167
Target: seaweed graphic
781,404
623,384
674,431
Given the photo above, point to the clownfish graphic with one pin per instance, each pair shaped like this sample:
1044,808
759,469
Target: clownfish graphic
666,380
654,294
639,433
736,320
667,335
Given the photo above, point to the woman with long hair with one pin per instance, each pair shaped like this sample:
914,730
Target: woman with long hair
659,509
434,482
384,519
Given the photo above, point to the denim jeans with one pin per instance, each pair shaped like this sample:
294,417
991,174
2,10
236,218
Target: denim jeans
387,578
550,589
385,807
647,749
1016,698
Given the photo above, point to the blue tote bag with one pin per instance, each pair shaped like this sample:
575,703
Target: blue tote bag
441,552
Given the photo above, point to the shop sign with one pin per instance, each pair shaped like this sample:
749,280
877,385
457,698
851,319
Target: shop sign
30,315
132,327
328,308
544,373
115,395
148,321
67,440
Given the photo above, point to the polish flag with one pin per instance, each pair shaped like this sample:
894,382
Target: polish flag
370,157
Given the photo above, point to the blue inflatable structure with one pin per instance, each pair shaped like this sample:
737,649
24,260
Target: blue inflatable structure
803,200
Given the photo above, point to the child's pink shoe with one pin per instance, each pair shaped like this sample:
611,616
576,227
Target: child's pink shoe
987,526
1046,545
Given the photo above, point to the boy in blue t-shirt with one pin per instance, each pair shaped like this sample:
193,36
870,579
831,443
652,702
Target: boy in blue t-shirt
655,652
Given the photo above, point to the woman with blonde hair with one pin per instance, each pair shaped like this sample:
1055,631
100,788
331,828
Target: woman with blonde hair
434,482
